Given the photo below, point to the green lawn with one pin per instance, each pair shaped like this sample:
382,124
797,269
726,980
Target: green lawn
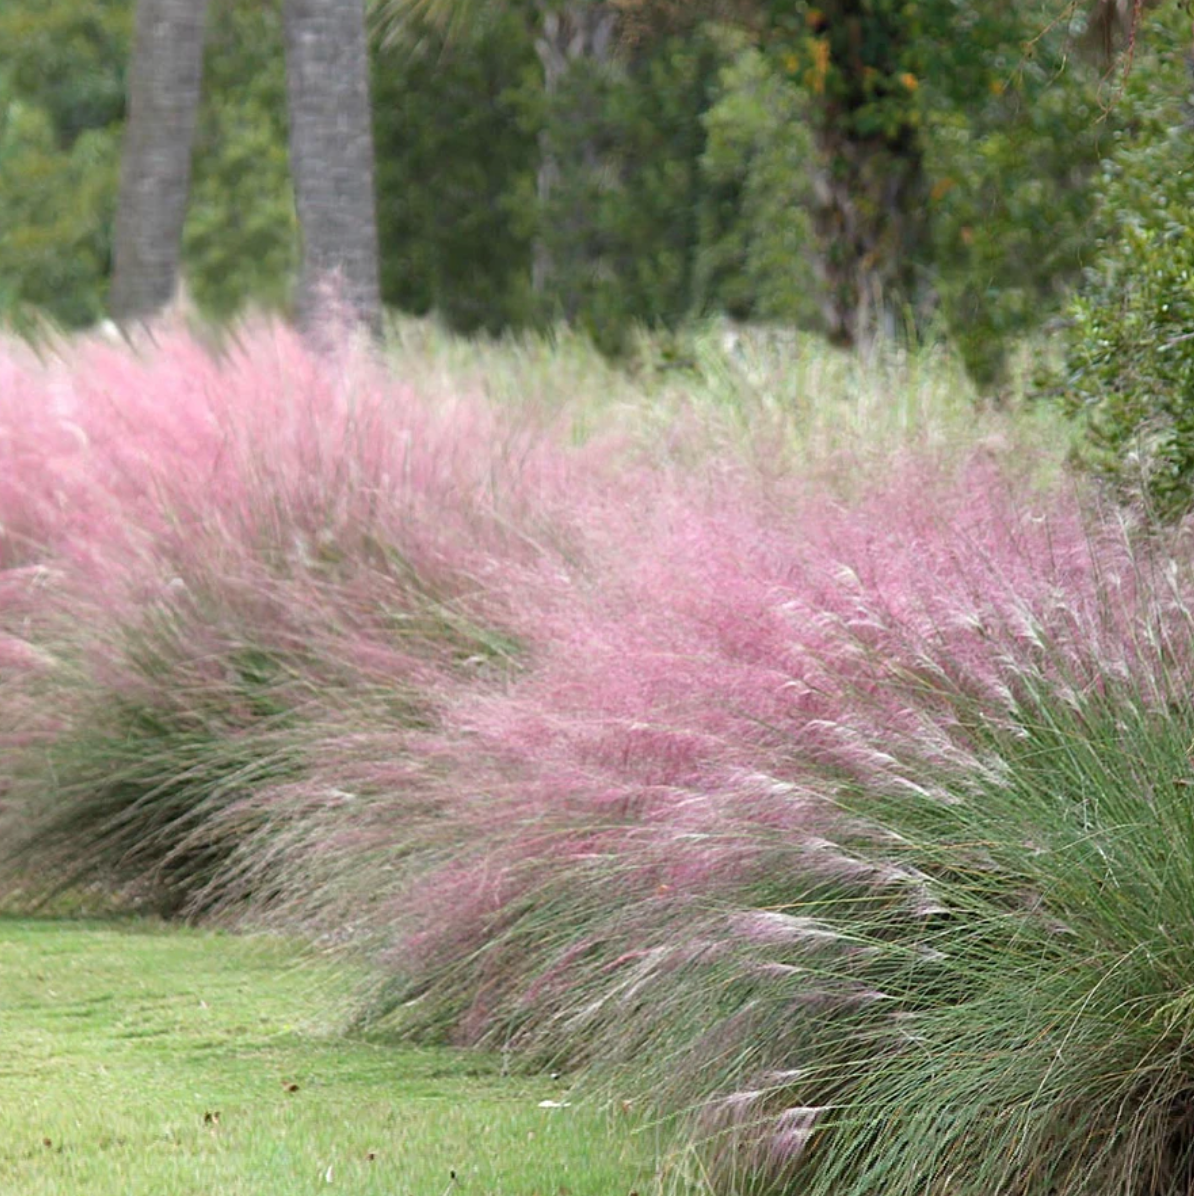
140,1059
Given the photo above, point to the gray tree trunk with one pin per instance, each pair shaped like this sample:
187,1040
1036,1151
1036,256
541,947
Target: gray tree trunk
155,169
331,155
572,32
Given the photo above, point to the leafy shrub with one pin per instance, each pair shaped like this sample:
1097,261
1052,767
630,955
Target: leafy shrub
455,167
61,107
756,252
1129,357
1014,187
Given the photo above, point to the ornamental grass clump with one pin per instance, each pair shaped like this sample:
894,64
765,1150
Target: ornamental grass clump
735,657
861,833
982,985
1002,1006
209,564
850,823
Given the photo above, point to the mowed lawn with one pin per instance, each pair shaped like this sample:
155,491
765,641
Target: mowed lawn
139,1059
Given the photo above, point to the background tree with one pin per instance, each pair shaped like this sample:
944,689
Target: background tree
575,42
331,152
240,243
577,33
456,160
757,252
862,63
955,149
155,173
616,109
62,111
61,115
692,160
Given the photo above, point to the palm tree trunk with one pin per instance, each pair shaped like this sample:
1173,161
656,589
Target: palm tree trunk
155,172
331,156
577,31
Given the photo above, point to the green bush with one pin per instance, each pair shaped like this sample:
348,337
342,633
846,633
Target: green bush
455,173
1129,345
622,225
1011,201
756,258
61,109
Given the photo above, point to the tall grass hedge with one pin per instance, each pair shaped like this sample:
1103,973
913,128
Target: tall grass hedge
837,804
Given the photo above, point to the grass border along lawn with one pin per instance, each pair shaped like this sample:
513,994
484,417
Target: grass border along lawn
140,1059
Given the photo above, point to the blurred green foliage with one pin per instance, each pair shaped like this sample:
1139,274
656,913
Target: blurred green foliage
995,110
1129,340
455,164
61,107
1013,140
757,256
240,242
692,166
622,225
61,117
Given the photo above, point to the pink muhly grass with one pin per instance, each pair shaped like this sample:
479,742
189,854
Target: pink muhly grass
730,665
237,555
576,744
669,780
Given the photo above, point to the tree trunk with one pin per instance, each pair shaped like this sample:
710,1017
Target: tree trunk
1111,25
155,172
868,217
574,32
869,194
331,156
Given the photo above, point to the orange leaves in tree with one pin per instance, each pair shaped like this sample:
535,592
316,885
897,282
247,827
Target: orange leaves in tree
819,71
